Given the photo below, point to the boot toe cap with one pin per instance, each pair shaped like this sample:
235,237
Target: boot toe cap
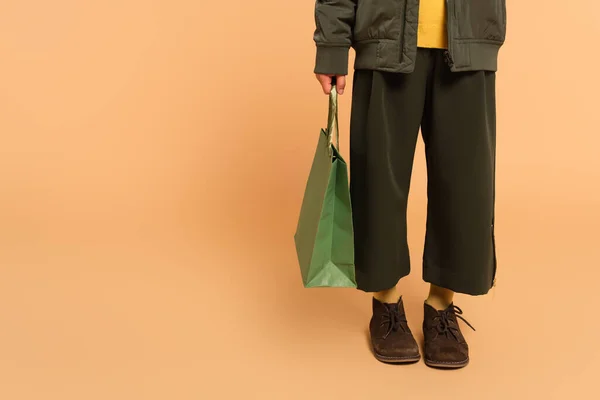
397,351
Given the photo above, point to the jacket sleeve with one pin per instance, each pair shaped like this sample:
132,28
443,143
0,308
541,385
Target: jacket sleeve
333,36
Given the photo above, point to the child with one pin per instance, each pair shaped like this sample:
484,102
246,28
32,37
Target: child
426,64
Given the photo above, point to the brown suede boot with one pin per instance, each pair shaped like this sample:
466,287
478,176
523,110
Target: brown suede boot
391,337
445,346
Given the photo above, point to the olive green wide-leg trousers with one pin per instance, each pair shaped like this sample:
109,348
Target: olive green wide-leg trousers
457,116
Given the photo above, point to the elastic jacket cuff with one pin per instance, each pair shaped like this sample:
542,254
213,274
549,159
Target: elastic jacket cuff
332,60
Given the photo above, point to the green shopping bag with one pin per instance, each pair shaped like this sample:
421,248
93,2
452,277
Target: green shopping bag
324,237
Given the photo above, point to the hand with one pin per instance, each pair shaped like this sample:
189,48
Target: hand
325,81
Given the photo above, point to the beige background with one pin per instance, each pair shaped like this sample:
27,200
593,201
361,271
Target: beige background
153,157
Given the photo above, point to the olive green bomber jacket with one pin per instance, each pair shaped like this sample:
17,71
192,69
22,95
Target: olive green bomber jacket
384,34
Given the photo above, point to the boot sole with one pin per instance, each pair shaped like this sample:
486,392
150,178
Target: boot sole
447,365
397,360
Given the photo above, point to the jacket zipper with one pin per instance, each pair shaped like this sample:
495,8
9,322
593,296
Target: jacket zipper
449,22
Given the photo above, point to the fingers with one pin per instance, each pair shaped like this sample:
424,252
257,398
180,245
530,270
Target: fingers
325,81
340,83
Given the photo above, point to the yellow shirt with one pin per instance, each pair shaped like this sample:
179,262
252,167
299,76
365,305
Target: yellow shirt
432,24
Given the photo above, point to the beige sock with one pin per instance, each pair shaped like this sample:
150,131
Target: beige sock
439,298
388,296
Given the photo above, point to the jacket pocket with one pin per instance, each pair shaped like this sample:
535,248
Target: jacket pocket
379,19
481,19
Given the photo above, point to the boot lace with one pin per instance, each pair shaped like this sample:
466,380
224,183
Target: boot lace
446,323
394,320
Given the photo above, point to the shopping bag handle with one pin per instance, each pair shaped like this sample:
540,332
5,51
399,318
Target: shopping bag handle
332,119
